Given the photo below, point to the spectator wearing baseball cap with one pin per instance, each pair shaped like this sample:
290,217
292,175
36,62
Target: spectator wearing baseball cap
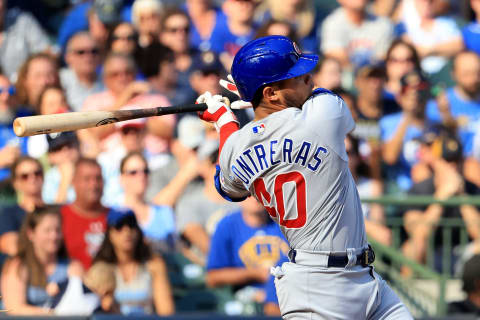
471,286
142,284
370,106
442,153
63,153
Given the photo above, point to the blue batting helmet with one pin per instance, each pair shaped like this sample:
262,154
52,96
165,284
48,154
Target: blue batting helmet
266,60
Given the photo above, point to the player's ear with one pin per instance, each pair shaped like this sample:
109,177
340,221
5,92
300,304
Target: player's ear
270,94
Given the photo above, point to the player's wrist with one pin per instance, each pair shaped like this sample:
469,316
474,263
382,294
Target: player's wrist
225,118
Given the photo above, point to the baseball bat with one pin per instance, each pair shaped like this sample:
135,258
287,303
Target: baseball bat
33,125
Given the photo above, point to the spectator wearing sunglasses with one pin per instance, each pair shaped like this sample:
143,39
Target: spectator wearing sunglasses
124,39
156,218
131,139
84,221
79,77
27,180
142,284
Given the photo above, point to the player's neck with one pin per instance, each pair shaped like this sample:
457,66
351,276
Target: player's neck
264,110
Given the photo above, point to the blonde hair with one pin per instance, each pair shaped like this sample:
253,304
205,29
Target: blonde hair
305,16
140,6
100,275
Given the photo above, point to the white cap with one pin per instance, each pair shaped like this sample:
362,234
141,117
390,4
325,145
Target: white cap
191,131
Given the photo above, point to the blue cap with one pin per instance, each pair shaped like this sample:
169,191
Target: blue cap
267,60
118,215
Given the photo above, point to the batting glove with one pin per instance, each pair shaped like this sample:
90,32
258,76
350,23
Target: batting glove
232,87
217,112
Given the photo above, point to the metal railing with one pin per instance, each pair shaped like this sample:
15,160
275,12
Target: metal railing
425,290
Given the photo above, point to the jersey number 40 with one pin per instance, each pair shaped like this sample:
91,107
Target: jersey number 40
278,211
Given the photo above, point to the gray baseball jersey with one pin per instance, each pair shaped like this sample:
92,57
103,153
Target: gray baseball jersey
294,162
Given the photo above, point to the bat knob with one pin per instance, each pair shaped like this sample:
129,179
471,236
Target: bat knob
19,127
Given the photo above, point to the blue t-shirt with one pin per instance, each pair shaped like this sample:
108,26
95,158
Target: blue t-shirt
212,41
230,43
471,37
236,244
400,171
467,114
8,137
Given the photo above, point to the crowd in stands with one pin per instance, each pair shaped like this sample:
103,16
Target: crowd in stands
98,214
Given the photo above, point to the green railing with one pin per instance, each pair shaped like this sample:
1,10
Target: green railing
422,301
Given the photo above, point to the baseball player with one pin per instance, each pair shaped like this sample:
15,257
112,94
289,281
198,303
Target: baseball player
292,159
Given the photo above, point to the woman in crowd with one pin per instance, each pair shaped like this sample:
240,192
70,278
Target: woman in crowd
401,59
38,71
276,27
31,279
142,284
27,180
328,74
155,219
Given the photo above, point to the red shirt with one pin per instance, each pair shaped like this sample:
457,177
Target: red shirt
83,236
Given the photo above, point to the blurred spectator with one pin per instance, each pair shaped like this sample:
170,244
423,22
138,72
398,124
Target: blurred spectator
402,58
30,280
156,218
199,210
460,105
95,16
100,278
10,145
443,154
276,27
22,36
27,180
37,72
399,130
191,132
244,246
206,72
142,284
471,32
349,101
328,73
354,36
79,78
175,34
63,153
302,14
52,100
146,18
370,107
124,39
239,29
158,66
207,23
373,214
84,221
471,286
121,88
435,38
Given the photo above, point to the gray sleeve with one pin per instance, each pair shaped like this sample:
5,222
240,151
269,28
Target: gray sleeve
331,35
35,36
185,212
229,182
330,118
